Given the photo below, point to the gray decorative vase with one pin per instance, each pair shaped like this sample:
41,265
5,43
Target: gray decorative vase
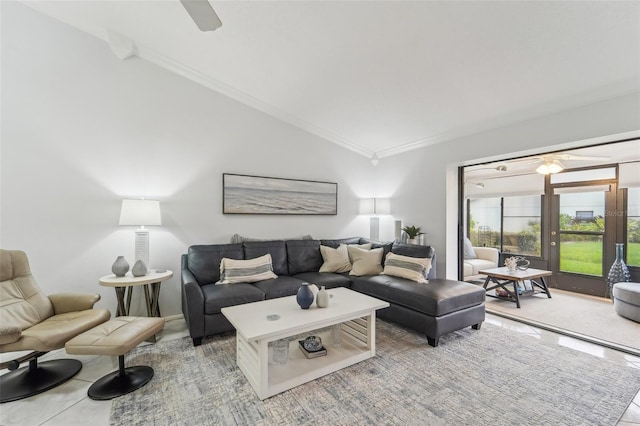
120,267
139,269
619,272
322,298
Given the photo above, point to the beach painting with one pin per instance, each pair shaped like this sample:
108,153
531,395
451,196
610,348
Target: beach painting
244,194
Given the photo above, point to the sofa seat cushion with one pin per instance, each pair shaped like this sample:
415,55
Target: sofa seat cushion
435,298
218,296
327,279
478,265
279,287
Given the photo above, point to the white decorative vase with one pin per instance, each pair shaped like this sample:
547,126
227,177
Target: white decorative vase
412,241
322,299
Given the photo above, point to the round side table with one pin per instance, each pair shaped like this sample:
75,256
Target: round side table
150,284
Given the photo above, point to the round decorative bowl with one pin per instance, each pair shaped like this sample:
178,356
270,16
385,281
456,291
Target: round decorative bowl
312,343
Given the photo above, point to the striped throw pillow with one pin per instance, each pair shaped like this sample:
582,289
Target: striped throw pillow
411,268
246,271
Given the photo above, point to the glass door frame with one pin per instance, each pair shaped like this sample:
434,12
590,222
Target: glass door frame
586,284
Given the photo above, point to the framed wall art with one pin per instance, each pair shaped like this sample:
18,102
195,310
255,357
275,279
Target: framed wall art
243,194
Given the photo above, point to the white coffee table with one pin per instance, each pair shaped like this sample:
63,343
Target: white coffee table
354,311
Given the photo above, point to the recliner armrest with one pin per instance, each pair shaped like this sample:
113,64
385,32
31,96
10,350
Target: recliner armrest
9,334
73,302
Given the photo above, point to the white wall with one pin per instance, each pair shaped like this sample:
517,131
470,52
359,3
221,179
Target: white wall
81,130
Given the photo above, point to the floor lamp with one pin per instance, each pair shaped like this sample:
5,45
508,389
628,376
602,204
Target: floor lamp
374,207
141,213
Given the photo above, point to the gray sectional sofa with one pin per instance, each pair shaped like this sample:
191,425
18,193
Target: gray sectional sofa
436,308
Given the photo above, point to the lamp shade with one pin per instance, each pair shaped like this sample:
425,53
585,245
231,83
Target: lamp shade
375,206
140,212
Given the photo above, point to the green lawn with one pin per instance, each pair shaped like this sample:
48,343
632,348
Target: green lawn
586,257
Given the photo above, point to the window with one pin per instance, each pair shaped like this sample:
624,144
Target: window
633,227
484,222
510,224
521,225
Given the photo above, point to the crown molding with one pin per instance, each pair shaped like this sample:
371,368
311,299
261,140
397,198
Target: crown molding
601,94
246,99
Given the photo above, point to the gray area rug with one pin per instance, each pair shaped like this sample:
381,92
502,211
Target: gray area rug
491,376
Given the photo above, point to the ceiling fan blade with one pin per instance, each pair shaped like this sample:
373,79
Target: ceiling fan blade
581,157
202,14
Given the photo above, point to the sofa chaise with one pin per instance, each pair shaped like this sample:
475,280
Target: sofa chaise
435,308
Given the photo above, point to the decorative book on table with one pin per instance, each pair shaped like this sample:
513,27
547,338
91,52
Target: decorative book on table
312,354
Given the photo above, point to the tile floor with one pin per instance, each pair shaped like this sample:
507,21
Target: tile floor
68,404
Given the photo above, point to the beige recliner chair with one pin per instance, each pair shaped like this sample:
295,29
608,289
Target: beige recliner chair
31,321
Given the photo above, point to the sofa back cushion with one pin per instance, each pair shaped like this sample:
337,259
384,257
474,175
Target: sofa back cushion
204,261
336,243
277,250
303,256
412,250
386,246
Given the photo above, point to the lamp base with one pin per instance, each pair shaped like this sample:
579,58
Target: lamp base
142,246
374,228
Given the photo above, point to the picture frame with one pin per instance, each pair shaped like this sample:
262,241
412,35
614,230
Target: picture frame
247,194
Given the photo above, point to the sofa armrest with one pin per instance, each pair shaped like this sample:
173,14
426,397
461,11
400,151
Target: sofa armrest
192,303
488,253
432,273
73,302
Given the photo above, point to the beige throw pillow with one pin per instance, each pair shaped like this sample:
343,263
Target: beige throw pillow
411,268
246,271
366,262
357,246
335,260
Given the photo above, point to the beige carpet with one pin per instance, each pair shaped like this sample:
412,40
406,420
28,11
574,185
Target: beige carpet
587,317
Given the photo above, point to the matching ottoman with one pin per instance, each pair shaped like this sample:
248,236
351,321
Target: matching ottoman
117,337
626,300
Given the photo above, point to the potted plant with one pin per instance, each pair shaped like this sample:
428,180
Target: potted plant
412,232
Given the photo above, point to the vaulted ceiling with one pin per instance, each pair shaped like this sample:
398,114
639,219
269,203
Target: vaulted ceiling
388,76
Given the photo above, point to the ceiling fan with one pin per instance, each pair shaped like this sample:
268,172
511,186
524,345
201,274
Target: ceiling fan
499,168
552,163
202,14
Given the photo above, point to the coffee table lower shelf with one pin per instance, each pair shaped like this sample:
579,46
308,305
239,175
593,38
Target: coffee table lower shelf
299,369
